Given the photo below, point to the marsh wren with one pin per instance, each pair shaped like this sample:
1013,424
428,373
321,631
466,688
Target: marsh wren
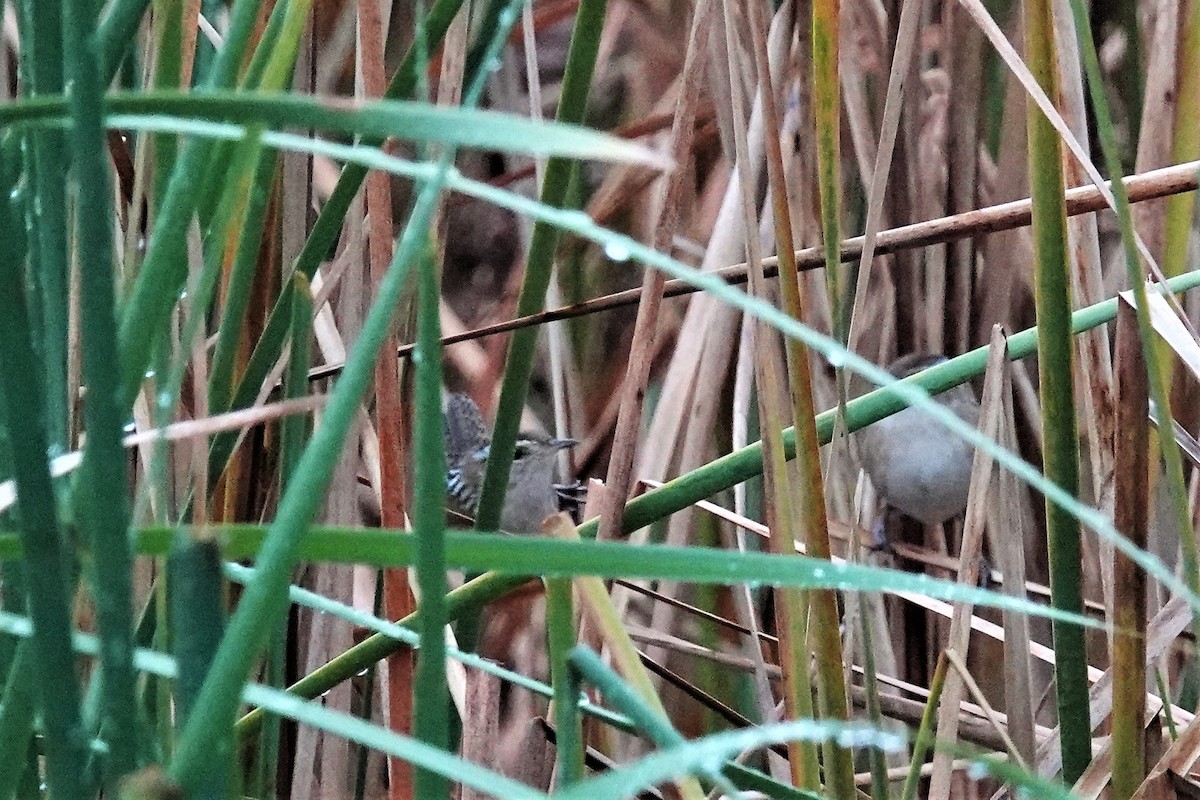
918,466
532,495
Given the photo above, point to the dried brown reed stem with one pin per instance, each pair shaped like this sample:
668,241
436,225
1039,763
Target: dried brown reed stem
1151,185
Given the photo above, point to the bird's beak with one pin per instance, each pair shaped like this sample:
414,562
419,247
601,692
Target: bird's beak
562,444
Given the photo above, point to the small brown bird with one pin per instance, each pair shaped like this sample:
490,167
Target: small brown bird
918,466
532,495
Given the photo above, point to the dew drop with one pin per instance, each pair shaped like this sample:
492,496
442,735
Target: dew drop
617,251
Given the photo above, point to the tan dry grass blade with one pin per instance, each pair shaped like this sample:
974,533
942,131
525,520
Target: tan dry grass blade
708,325
481,725
467,358
743,598
998,724
1180,759
1171,620
991,420
680,645
1173,330
906,38
1095,779
199,365
633,388
1006,540
564,375
1155,138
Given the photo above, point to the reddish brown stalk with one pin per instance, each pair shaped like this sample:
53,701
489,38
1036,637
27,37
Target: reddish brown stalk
398,601
1132,485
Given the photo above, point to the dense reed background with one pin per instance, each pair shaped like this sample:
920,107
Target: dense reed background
238,284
